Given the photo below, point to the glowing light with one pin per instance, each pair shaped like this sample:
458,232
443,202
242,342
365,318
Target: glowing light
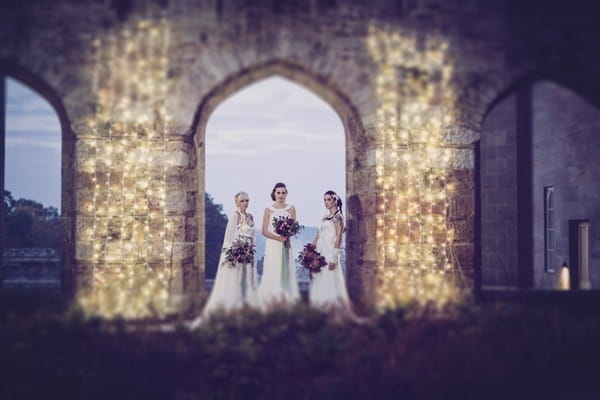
130,272
413,86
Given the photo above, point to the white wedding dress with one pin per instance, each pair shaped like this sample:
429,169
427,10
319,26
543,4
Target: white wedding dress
234,286
278,284
328,287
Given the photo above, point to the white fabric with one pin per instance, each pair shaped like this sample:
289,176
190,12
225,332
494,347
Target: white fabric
328,287
234,286
274,288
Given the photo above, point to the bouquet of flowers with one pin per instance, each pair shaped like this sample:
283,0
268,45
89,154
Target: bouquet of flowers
240,252
287,227
311,259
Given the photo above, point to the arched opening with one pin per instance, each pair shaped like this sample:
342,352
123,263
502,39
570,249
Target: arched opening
36,142
270,131
538,187
356,184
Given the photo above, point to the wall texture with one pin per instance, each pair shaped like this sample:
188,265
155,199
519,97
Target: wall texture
137,80
565,156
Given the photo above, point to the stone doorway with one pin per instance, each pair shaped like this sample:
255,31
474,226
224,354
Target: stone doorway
357,182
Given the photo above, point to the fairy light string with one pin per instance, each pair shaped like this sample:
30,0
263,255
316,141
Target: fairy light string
129,134
413,86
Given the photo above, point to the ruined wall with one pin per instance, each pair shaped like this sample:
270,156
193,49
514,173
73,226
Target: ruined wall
410,80
565,156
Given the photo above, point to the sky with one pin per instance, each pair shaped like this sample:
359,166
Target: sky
271,131
33,146
275,131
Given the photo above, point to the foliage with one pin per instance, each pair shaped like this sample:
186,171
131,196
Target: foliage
215,223
472,351
30,224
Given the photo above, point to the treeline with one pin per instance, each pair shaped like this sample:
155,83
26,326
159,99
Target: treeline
30,224
215,223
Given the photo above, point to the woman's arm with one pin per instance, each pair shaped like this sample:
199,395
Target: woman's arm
293,213
265,227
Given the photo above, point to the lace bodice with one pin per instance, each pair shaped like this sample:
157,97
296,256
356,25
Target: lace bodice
238,227
245,228
327,235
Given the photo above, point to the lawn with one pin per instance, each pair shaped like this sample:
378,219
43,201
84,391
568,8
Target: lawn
484,350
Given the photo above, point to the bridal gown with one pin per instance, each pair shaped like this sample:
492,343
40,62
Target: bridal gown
234,286
278,284
328,287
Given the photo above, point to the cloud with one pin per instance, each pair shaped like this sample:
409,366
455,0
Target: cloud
46,139
272,94
21,100
275,130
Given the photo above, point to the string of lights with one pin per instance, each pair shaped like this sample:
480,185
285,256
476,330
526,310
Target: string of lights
129,142
412,163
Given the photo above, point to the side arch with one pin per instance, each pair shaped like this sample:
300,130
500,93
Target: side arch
9,68
531,140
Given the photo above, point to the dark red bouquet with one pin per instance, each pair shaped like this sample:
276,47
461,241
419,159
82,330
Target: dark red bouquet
240,252
286,227
311,259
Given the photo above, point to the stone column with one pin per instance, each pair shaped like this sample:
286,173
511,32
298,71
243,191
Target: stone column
583,240
2,157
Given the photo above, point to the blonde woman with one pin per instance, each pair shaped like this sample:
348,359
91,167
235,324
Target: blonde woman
235,285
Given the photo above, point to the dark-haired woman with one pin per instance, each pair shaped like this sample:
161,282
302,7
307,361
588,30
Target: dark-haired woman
328,286
278,285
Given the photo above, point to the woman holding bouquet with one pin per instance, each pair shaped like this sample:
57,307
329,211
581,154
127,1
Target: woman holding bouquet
278,283
235,283
328,286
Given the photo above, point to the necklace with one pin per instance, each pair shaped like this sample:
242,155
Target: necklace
334,214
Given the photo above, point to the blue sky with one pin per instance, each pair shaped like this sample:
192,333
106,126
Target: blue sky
273,130
33,146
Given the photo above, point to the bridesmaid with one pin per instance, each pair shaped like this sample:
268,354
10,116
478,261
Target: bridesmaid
278,284
235,286
328,287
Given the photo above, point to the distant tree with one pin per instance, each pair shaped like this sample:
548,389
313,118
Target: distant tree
9,203
30,224
215,223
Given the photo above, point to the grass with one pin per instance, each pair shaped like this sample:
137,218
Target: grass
491,350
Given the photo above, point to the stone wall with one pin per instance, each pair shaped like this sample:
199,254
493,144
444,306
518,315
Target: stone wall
411,82
499,225
562,129
566,147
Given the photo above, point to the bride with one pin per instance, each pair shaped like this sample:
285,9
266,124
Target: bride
328,287
235,285
278,283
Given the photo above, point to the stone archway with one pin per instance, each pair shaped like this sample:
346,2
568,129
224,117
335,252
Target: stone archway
357,182
13,70
520,159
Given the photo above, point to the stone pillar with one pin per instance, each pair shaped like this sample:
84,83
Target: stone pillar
583,239
2,157
524,189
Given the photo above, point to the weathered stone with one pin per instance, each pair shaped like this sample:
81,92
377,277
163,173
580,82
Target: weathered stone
385,74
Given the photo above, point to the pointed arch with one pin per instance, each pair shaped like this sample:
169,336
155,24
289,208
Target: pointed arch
525,149
356,183
9,68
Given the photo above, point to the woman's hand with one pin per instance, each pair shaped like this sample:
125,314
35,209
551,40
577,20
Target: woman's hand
332,266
